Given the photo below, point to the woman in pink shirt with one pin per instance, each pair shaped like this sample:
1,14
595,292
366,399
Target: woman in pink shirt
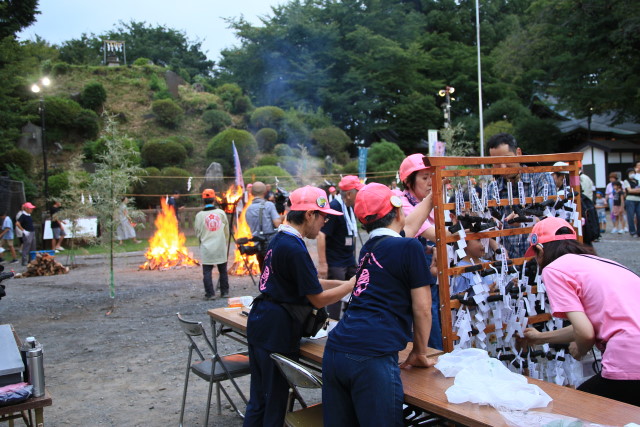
601,300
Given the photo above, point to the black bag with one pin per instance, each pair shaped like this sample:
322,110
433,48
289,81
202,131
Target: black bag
310,318
591,229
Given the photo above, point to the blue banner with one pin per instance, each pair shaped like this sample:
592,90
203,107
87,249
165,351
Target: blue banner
362,162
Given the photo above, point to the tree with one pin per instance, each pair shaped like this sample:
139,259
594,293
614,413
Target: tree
114,176
384,160
16,15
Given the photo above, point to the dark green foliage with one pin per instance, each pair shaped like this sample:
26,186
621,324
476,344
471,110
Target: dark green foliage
268,160
185,141
268,174
17,157
220,148
83,51
267,117
93,96
385,157
168,113
266,138
217,120
93,150
350,168
17,174
229,93
241,105
293,131
282,150
17,15
537,136
329,141
161,153
87,124
290,164
58,183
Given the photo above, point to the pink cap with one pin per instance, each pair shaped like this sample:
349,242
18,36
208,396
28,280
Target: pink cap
350,182
311,199
332,189
375,199
28,205
545,231
410,165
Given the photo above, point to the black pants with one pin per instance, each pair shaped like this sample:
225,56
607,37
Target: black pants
622,390
207,269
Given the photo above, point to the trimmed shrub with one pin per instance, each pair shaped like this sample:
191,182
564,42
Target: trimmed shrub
268,174
290,164
93,150
350,168
93,96
17,157
60,68
293,131
142,61
282,150
241,105
186,142
216,120
58,184
161,153
266,139
267,117
87,123
384,156
329,140
268,160
220,148
196,102
229,93
168,113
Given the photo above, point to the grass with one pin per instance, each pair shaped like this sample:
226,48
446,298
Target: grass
127,246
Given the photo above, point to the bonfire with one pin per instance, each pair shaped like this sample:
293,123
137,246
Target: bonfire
167,246
243,264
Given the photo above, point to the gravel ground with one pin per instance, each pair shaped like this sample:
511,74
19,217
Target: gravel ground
121,362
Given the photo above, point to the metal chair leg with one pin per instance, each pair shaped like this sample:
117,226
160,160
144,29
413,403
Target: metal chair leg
184,393
206,419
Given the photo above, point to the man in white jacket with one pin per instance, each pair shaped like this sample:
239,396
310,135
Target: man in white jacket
212,229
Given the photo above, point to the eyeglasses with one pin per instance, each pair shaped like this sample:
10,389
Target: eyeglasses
324,216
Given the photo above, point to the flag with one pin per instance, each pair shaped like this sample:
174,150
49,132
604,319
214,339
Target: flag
236,163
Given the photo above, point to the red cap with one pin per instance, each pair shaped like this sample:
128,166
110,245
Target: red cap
410,165
208,193
545,231
28,205
311,199
350,182
375,199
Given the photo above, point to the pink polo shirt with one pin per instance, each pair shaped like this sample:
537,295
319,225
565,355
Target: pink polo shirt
407,207
609,295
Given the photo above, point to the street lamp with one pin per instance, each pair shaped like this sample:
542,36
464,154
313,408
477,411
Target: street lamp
37,88
446,93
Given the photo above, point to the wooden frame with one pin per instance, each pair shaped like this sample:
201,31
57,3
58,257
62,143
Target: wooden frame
476,165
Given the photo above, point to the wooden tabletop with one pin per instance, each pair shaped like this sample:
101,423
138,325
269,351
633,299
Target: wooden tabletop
426,388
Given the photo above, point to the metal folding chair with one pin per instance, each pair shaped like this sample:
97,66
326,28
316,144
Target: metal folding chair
299,377
214,369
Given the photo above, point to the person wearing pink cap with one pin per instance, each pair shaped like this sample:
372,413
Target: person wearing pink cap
600,298
332,193
389,306
25,225
416,180
337,239
289,277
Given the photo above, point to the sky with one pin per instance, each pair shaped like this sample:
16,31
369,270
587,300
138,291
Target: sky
202,20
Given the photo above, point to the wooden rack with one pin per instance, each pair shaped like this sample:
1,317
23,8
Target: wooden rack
475,166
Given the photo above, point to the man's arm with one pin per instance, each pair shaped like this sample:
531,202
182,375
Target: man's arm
421,306
323,268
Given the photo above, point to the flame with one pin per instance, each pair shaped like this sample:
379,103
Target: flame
230,198
240,262
167,246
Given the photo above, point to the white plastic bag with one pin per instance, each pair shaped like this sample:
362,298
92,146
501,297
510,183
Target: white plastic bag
452,363
489,382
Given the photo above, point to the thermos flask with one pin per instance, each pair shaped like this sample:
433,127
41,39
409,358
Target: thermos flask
35,365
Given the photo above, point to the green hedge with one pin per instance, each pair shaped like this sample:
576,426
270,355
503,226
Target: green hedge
161,153
168,113
220,148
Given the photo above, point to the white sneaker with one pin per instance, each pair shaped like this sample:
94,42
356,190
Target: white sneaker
615,230
621,231
626,229
60,248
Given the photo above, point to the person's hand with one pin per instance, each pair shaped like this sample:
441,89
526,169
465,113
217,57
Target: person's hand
573,349
352,281
418,360
26,233
323,270
533,336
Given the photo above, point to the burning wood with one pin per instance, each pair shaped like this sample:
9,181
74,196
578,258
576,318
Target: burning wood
167,246
44,265
243,264
230,198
